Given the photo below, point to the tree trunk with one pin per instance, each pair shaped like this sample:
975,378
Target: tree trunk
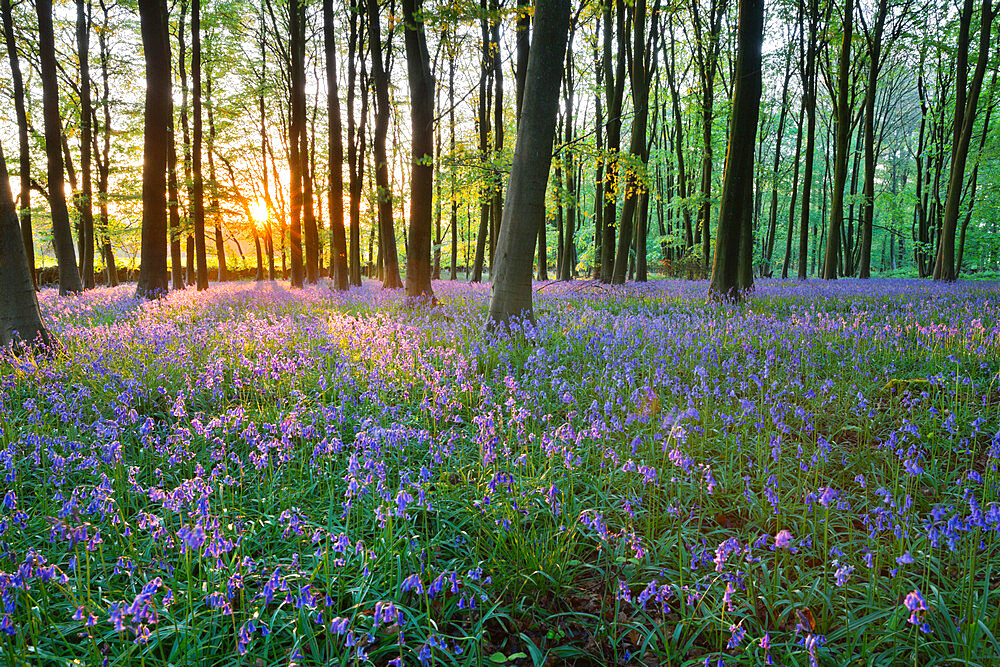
483,127
809,103
338,239
62,235
451,170
390,279
197,183
418,70
843,119
213,181
87,190
522,49
772,227
614,85
524,207
707,48
641,77
355,139
20,319
176,266
965,118
156,135
871,88
737,182
569,168
24,146
104,155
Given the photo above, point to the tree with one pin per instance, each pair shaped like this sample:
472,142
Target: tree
809,85
641,77
338,240
524,206
614,83
418,259
197,182
355,136
62,235
85,203
390,277
24,151
156,137
965,119
103,155
737,181
20,319
296,128
844,121
707,50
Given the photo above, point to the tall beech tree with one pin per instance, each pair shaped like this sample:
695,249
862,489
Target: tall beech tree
418,69
641,77
297,162
707,24
844,121
737,181
964,121
524,206
23,143
335,147
356,132
85,202
62,235
614,86
20,319
197,182
156,138
103,154
380,76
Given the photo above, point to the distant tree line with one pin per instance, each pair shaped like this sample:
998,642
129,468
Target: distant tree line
700,138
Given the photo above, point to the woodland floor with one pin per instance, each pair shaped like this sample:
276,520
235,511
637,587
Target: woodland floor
258,476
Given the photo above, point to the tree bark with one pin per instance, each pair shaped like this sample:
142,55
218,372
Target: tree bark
737,184
197,183
614,85
355,139
62,235
843,120
86,197
641,77
390,277
418,69
24,146
871,88
156,135
213,181
338,239
524,207
965,118
104,155
809,103
20,319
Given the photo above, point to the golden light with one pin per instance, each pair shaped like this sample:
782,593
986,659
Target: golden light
258,210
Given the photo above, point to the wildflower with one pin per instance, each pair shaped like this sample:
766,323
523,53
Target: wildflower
917,606
843,575
765,643
783,540
736,636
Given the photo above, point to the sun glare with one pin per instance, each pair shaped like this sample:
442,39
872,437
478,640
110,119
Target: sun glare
258,210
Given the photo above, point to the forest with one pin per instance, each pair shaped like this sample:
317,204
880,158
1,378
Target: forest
509,332
291,121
